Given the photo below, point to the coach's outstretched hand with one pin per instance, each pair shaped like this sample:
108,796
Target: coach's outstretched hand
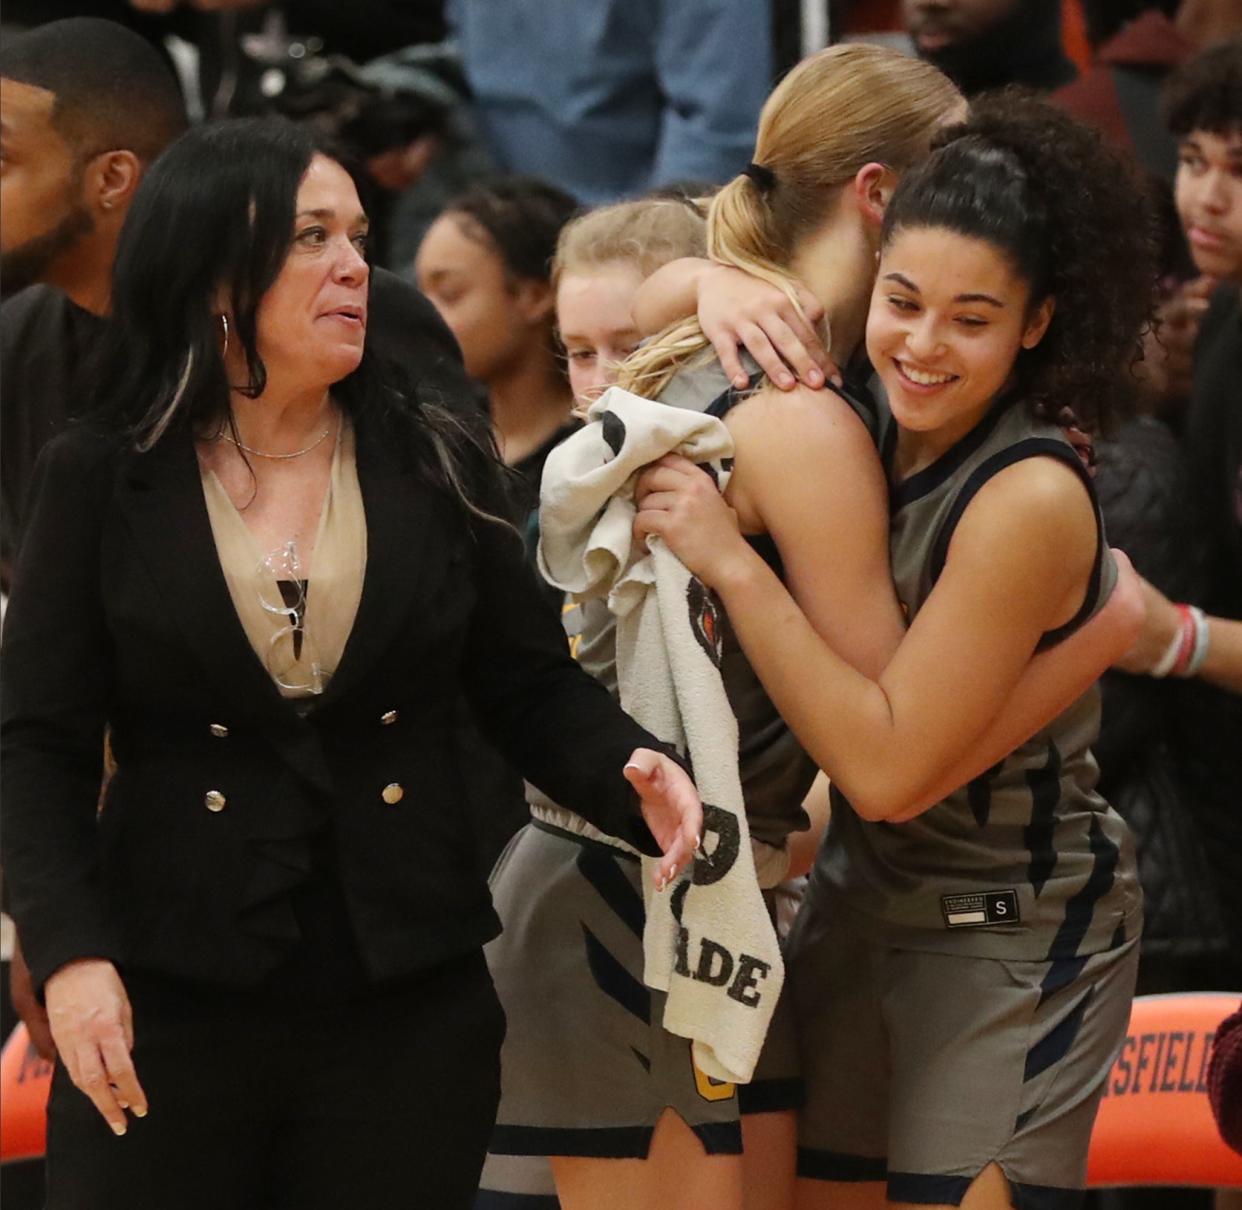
670,806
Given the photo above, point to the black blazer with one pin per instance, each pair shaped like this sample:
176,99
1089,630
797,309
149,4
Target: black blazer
121,616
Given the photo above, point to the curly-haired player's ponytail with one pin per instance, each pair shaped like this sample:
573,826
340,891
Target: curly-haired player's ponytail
1076,222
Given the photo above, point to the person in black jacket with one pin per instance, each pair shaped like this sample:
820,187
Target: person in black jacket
269,575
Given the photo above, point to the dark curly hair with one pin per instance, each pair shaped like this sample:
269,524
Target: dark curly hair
1077,224
1206,93
522,216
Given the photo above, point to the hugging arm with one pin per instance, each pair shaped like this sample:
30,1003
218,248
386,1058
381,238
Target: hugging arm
888,740
738,311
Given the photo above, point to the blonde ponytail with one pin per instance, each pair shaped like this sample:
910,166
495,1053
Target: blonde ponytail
836,112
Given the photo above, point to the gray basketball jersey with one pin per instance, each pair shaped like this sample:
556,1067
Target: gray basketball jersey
1027,861
776,773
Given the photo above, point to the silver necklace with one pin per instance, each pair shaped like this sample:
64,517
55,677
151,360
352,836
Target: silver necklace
278,457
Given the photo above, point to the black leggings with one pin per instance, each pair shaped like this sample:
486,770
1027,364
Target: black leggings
384,1102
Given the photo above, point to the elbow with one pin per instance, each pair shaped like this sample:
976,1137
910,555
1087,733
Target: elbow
881,800
879,810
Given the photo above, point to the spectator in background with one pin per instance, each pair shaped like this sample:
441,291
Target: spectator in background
641,95
982,44
87,105
1120,94
1138,44
486,264
1204,110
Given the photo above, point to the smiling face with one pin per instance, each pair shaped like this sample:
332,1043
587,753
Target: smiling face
948,317
594,310
312,321
42,215
1209,201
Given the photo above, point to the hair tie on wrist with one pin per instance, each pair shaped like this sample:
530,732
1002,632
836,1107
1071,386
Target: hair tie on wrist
764,177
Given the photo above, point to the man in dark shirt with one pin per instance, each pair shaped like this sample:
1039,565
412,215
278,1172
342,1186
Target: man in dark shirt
982,44
85,106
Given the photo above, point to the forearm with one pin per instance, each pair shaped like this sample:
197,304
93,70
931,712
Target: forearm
842,718
1223,663
1049,684
670,294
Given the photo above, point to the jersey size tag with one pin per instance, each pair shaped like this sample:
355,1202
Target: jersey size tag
986,907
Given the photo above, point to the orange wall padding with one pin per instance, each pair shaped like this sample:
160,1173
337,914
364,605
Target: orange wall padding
1155,1125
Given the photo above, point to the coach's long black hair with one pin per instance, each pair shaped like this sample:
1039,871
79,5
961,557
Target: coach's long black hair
212,222
1074,220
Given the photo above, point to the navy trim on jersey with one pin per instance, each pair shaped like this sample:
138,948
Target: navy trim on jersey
613,887
1061,973
856,394
1045,1197
925,1189
600,1142
614,980
816,1165
950,1190
731,396
771,1096
606,1142
1080,907
1030,447
495,1199
1025,1116
720,1138
931,477
979,793
1044,784
1056,1043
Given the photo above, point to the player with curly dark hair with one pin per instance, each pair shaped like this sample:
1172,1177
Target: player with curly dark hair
962,967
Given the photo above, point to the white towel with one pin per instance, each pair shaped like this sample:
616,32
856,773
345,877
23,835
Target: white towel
708,942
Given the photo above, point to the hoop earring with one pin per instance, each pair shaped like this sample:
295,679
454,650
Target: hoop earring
224,324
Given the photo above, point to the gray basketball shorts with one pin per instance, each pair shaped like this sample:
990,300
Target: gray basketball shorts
586,1067
922,1068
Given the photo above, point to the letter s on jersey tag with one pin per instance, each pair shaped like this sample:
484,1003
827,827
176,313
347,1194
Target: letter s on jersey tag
983,908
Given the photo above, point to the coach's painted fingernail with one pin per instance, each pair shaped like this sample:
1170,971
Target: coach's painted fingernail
140,1111
118,1128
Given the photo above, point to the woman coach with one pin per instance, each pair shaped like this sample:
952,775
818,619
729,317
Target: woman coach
269,571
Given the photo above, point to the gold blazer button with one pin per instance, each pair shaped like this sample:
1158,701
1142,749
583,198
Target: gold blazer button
389,717
213,800
219,730
392,793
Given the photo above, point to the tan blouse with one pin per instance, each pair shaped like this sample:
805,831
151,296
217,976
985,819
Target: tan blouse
297,617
